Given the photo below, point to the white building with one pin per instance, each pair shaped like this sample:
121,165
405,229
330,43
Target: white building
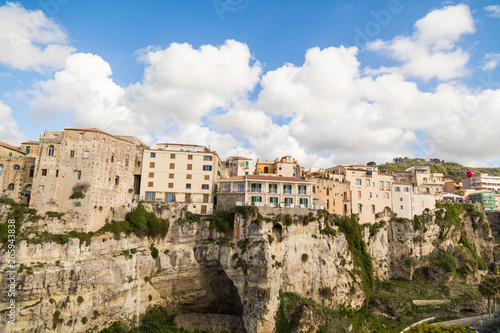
482,182
407,203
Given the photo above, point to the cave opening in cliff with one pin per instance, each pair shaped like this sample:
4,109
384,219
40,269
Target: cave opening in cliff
277,231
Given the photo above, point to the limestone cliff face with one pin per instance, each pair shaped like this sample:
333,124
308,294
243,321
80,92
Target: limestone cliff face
198,270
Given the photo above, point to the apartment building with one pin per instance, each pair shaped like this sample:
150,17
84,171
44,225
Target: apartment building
450,185
486,199
482,182
85,161
236,166
335,195
422,178
181,173
370,190
259,190
407,203
30,148
281,167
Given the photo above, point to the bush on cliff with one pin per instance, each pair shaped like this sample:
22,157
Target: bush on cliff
144,223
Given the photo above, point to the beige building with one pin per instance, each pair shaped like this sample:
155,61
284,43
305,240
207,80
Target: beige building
236,166
8,150
16,177
482,182
181,173
282,167
423,180
335,195
30,148
370,190
269,191
451,186
407,203
86,173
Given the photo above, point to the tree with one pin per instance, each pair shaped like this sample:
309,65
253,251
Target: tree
371,163
490,288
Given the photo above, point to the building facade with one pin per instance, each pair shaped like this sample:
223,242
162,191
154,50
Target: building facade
181,173
282,167
486,199
424,181
16,177
236,166
8,150
407,203
451,186
86,173
482,182
270,191
30,148
335,195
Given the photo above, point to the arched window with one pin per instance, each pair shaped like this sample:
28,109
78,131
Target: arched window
32,171
1,169
386,195
17,167
425,180
10,187
51,151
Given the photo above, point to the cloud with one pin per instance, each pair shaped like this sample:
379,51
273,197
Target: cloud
8,127
492,61
31,41
431,51
493,11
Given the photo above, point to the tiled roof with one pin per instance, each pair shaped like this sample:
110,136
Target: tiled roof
6,145
241,157
269,178
30,143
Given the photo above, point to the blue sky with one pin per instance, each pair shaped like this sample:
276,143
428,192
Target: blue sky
326,81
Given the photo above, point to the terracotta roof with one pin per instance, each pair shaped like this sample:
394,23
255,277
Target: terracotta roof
241,157
271,178
30,143
6,145
95,130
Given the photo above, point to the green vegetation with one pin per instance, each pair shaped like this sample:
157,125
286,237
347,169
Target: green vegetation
154,251
362,260
79,299
77,195
144,223
451,170
55,215
329,231
305,257
428,328
56,319
481,264
443,260
222,221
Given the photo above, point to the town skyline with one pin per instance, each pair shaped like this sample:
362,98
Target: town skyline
327,85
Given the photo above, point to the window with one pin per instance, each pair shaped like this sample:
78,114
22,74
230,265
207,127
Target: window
207,158
287,189
385,195
266,169
255,187
71,153
381,185
138,163
188,186
327,203
207,168
28,149
370,194
42,187
171,176
241,187
151,175
205,187
402,180
400,199
44,172
303,201
152,165
246,164
153,155
273,201
359,194
126,162
170,185
189,176
150,184
10,187
86,154
32,171
256,199
117,180
401,206
80,136
360,208
57,173
397,189
190,167
273,188
51,151
367,182
172,156
172,165
358,181
406,189
207,177
190,157
373,209
78,174
1,170
112,157
328,191
288,202
302,189
17,167
170,197
425,180
388,185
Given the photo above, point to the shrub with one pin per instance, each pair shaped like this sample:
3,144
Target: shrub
329,231
222,221
77,195
443,260
148,224
305,257
79,299
84,320
154,251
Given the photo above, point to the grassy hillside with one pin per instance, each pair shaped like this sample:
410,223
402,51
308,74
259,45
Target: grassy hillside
449,169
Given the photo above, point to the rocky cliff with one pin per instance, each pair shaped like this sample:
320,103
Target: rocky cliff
204,276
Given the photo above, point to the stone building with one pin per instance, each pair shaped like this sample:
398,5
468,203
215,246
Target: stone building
282,167
423,180
236,166
30,148
180,173
16,177
335,194
86,173
370,190
8,150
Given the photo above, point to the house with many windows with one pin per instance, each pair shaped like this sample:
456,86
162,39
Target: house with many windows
180,173
333,194
236,166
281,167
407,202
423,179
269,191
482,182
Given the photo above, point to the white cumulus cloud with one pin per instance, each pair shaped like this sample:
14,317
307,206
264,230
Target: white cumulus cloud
9,132
493,10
